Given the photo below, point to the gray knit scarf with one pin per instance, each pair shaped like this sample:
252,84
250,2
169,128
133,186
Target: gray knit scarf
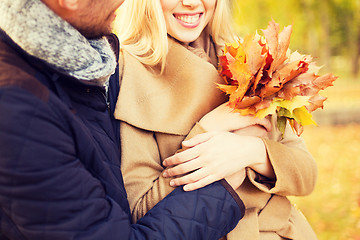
45,35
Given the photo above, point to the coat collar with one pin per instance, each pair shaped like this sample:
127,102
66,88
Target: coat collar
172,102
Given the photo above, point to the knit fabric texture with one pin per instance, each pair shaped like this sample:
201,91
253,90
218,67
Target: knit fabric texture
45,35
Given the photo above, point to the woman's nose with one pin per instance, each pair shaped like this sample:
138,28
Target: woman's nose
191,3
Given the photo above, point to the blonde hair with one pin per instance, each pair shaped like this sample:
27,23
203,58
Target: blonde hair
141,29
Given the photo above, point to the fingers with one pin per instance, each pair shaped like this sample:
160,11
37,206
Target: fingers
191,153
197,139
201,183
182,168
182,157
195,180
189,178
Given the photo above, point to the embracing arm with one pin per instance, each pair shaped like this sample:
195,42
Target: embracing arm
142,170
47,192
181,215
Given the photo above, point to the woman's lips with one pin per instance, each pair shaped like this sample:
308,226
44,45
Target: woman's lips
188,20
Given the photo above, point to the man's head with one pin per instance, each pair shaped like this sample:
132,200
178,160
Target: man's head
92,18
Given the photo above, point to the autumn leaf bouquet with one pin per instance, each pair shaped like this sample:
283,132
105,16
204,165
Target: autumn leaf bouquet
264,77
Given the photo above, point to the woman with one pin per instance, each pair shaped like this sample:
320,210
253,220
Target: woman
168,93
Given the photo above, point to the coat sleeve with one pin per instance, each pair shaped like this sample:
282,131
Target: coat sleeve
142,170
294,166
47,193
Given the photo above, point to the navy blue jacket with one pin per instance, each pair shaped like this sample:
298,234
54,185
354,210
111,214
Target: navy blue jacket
60,164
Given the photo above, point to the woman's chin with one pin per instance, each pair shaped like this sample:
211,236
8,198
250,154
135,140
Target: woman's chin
187,38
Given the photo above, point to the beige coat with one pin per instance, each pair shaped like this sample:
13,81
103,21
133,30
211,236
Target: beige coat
158,111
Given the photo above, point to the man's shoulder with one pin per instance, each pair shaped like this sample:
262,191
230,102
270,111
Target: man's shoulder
17,72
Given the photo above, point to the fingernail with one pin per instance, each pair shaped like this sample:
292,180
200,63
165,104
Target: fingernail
172,183
165,174
185,143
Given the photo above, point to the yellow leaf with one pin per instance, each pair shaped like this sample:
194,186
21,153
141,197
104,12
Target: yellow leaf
295,102
302,116
228,89
269,110
245,111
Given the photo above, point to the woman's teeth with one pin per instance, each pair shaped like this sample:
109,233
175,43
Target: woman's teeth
188,19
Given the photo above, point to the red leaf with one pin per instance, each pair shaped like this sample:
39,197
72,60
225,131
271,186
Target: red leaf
301,85
278,44
265,103
282,76
248,101
298,129
288,92
325,81
254,54
260,69
316,102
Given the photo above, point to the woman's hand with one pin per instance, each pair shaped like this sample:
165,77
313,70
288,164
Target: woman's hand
253,130
213,156
223,118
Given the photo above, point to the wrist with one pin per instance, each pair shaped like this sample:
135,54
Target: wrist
207,124
235,180
261,162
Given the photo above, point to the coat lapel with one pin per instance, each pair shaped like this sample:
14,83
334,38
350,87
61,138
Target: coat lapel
172,102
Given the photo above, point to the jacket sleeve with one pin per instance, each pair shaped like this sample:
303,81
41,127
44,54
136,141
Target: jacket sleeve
192,215
47,193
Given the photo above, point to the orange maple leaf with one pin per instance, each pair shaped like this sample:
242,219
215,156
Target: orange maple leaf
278,44
263,77
282,76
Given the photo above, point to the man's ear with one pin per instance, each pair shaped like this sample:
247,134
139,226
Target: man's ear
71,5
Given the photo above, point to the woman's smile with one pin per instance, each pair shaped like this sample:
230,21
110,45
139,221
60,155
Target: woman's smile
188,20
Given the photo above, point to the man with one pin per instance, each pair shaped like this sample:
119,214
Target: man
59,158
